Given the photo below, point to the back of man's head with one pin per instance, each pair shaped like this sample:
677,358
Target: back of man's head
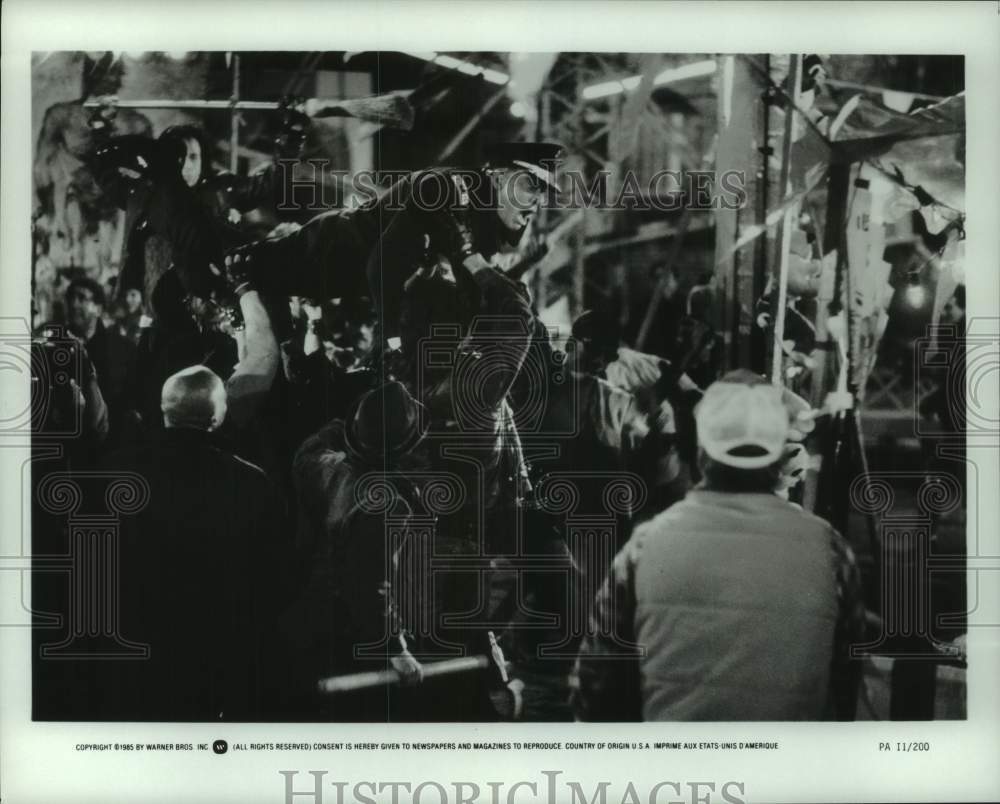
742,429
194,397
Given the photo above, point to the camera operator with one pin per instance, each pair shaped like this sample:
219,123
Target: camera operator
75,409
108,357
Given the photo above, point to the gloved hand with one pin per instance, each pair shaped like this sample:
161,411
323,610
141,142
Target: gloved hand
239,270
411,672
453,237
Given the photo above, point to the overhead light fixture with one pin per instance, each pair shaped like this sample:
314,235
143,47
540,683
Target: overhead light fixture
467,67
695,69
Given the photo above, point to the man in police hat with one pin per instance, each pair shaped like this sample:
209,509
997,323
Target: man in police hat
469,216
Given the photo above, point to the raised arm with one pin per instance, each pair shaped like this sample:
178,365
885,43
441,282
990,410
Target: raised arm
258,361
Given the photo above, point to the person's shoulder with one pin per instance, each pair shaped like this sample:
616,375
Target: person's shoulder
116,340
809,526
123,458
808,518
661,523
324,451
654,535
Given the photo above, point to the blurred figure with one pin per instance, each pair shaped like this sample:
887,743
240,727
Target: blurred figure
376,248
323,363
348,601
798,338
131,322
698,350
669,301
733,604
947,402
111,355
664,395
613,428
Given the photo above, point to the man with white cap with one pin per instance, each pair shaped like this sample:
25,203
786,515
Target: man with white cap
733,604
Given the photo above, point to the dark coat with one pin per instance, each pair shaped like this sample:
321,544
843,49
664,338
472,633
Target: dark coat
203,566
374,248
113,356
170,226
347,601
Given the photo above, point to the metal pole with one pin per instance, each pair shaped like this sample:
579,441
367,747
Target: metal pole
386,678
780,298
542,132
464,132
234,118
170,103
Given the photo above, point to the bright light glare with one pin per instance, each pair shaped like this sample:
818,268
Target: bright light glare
695,69
916,295
450,62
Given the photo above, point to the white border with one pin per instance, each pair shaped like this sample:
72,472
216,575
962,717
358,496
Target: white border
820,762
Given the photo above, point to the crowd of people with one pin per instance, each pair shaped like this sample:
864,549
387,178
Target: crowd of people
364,452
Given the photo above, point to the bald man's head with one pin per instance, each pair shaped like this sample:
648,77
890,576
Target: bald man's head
194,397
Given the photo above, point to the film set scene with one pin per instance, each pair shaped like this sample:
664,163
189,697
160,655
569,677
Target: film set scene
479,386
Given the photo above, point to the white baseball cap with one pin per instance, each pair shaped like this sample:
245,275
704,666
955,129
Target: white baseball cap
742,421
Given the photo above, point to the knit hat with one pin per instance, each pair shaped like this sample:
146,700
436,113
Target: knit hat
742,421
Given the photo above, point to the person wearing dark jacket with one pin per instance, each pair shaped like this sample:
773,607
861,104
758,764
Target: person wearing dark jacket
470,216
733,604
111,355
345,619
202,567
180,216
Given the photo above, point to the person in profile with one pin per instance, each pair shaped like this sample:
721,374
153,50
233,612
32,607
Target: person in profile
203,566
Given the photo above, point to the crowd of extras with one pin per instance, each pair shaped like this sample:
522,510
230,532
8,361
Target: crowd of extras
373,486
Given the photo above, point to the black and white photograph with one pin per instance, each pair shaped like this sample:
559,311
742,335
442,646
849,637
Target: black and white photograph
510,392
